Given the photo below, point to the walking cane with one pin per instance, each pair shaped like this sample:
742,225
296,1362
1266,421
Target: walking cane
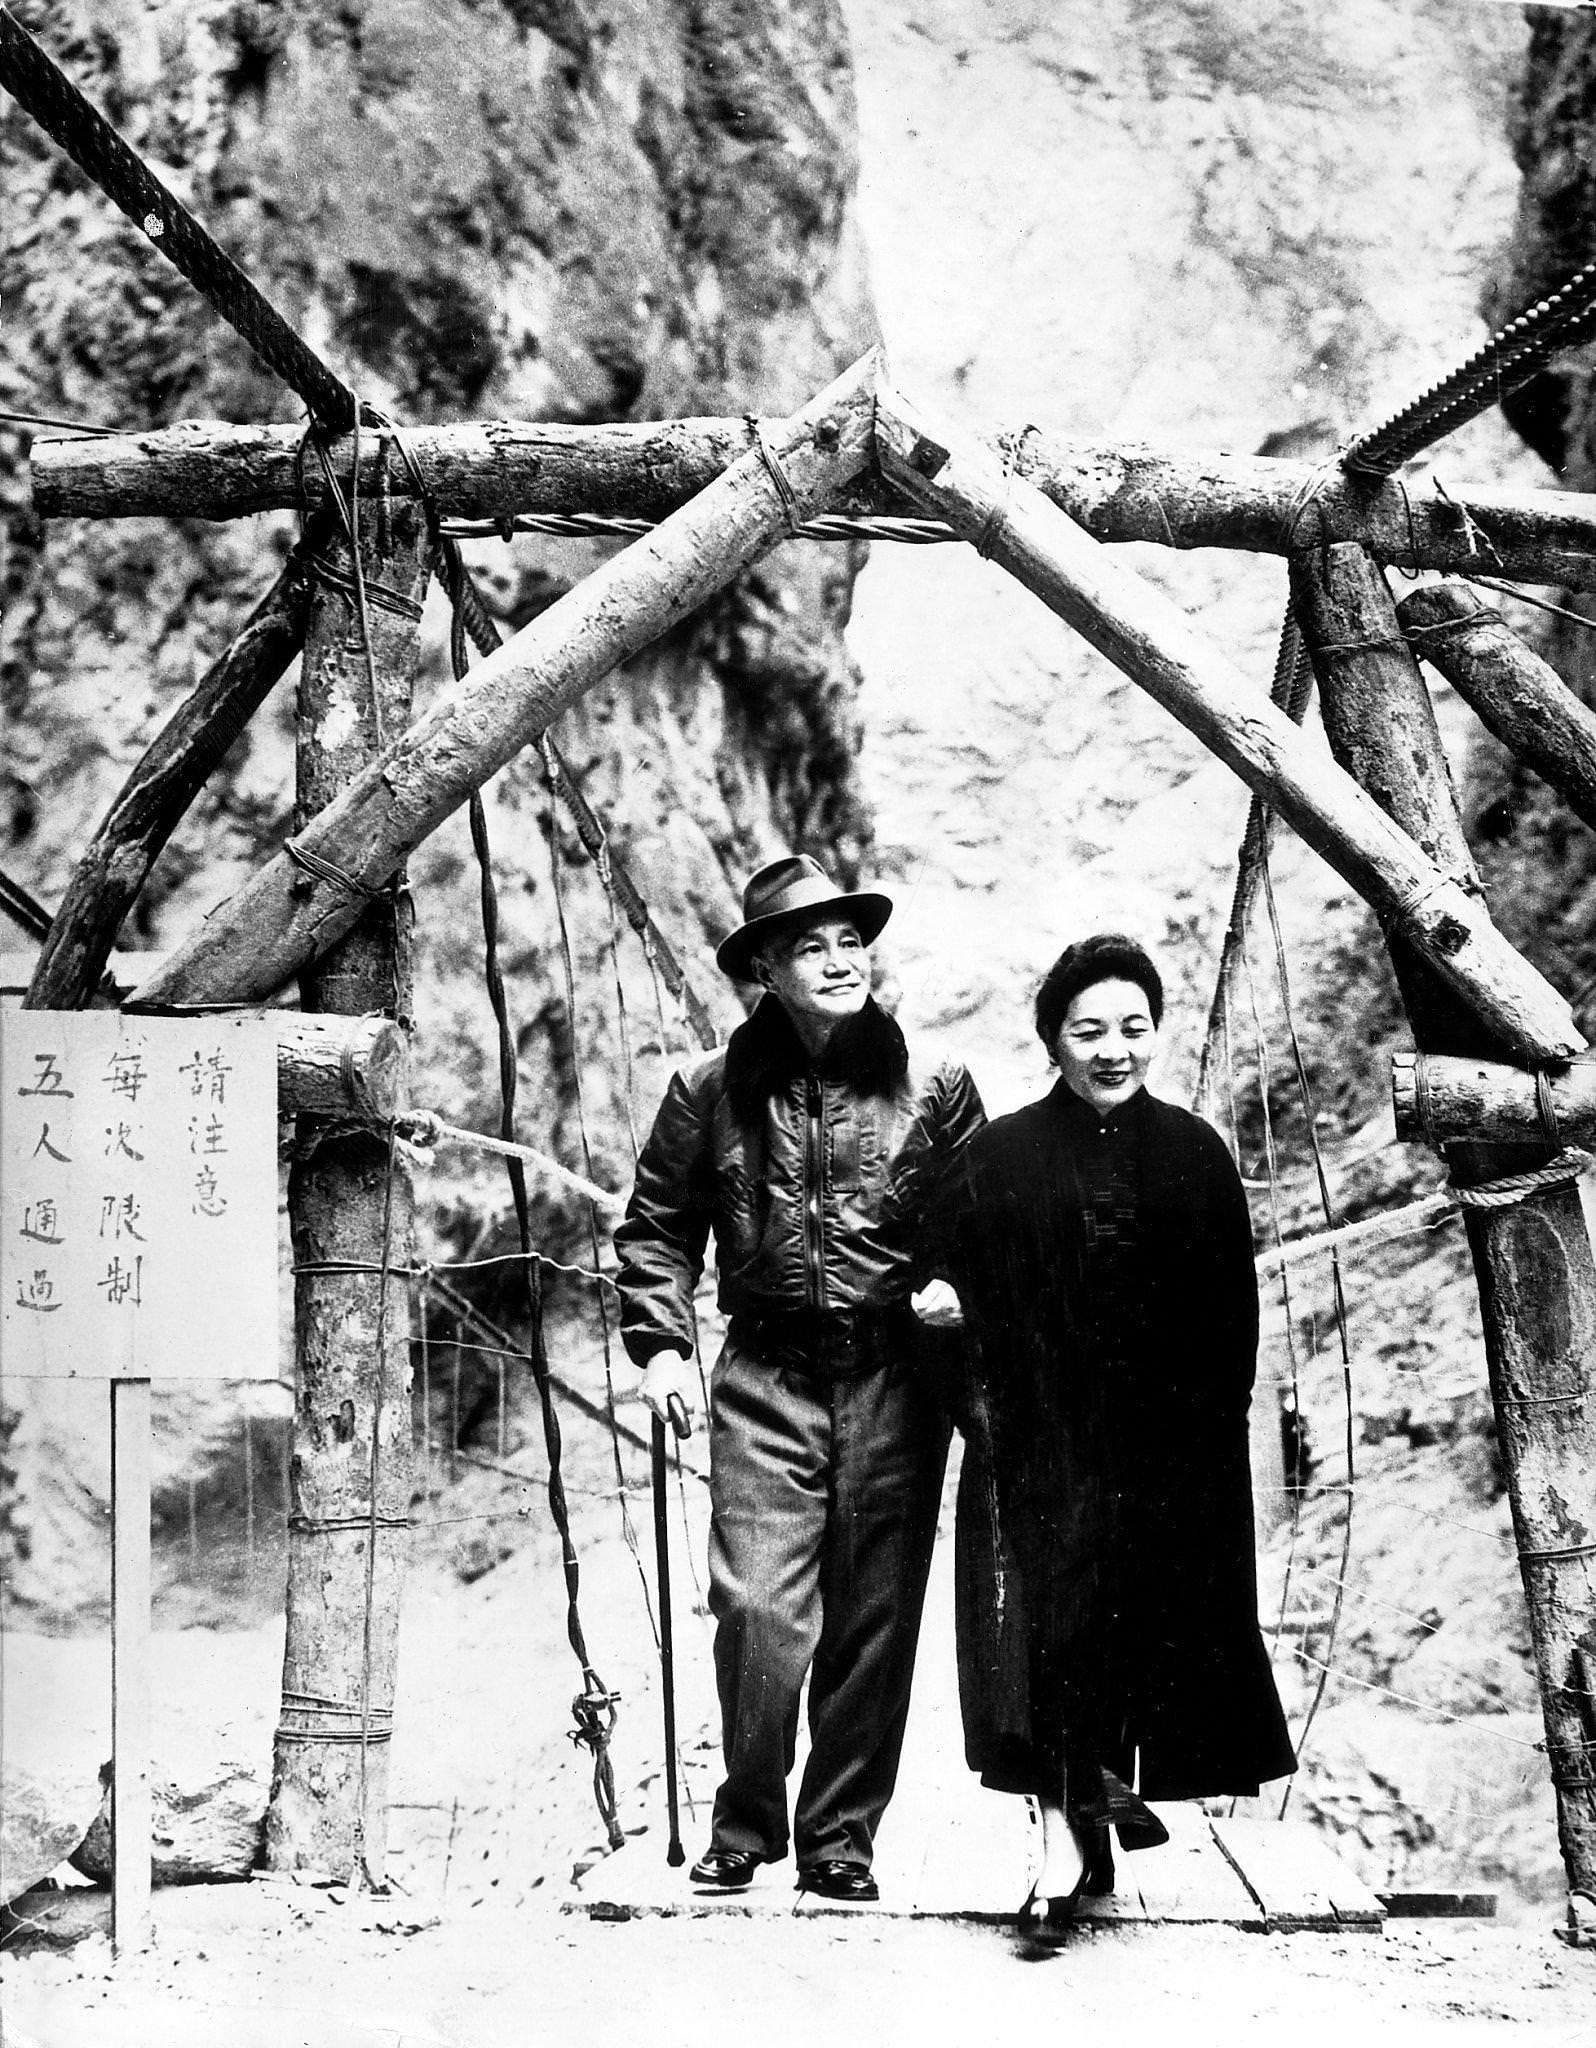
674,1853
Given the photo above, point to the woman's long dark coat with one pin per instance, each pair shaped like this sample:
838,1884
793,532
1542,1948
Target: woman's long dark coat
1105,1566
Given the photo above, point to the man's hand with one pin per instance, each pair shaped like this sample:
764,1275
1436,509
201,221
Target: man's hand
668,1373
937,1306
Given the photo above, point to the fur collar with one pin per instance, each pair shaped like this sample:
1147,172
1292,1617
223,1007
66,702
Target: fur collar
765,1055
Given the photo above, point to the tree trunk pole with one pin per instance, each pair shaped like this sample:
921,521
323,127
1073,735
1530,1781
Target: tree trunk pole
647,469
1522,699
116,863
350,1213
1532,1260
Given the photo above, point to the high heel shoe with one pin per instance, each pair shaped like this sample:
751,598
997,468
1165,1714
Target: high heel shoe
1058,1910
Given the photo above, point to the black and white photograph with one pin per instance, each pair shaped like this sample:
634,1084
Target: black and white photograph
797,999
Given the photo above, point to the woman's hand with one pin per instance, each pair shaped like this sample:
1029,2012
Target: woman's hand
937,1306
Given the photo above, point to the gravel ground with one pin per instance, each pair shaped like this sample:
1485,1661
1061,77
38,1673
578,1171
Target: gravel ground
276,1965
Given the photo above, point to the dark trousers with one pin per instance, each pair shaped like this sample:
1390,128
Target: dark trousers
824,1498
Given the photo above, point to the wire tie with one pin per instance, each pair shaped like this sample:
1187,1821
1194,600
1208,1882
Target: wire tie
1546,1103
353,1266
1411,904
1308,496
328,871
324,1525
383,595
1424,1100
1359,646
1485,613
305,1703
778,476
1480,542
367,1737
1565,1555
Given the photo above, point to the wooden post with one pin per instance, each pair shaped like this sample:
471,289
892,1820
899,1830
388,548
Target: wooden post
284,916
1522,699
130,1664
1533,1261
1157,646
350,1213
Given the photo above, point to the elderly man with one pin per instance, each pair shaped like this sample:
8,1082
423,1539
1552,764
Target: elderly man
811,1145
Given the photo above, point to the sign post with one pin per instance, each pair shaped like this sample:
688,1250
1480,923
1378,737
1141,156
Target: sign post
138,1239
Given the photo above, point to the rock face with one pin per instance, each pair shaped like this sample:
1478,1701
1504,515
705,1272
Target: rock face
1544,860
542,211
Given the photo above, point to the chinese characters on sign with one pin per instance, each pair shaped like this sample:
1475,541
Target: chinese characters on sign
138,1196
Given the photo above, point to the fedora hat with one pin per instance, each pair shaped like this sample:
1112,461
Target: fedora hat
790,891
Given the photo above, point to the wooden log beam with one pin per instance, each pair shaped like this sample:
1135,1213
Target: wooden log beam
1441,1099
326,1066
115,864
351,1214
1156,645
495,469
341,1066
287,914
1522,699
1532,1260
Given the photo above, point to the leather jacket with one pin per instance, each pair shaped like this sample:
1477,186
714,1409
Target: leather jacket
815,1178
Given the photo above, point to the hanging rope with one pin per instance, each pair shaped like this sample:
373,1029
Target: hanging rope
1310,1119
628,1527
1288,1319
1290,690
473,617
594,1708
425,1129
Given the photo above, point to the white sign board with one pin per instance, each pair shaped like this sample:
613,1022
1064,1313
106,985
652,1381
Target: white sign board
138,1196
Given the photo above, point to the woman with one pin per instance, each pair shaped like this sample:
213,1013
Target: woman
1101,1249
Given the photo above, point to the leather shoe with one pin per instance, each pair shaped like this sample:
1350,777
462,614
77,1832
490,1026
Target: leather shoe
839,1878
726,1870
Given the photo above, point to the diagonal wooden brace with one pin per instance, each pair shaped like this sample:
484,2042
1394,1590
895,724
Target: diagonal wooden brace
298,905
1158,647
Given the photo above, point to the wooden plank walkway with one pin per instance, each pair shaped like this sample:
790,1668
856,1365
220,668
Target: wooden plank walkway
950,1850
